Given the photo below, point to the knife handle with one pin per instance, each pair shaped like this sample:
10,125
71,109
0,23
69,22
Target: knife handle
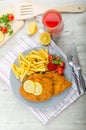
76,80
81,80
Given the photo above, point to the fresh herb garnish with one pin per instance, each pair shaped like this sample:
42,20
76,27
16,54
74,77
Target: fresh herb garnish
58,61
5,25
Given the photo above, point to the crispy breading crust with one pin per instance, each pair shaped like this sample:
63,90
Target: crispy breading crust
52,84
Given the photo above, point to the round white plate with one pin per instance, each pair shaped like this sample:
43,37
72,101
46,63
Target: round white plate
15,84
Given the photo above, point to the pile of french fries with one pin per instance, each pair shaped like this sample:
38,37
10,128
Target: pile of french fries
35,61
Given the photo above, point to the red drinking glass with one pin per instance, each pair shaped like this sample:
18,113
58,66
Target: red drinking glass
52,21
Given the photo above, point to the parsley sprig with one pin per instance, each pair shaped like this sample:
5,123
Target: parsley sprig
59,61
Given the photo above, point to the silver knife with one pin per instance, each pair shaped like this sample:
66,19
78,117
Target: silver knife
77,66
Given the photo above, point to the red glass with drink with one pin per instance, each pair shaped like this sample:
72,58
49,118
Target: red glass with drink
52,21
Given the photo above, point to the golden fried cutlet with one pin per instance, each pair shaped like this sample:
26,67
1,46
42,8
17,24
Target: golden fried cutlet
59,82
52,84
47,89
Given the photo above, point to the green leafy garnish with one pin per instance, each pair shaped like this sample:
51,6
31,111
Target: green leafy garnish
4,19
5,22
58,61
54,56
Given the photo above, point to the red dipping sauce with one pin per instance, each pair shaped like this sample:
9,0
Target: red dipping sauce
52,21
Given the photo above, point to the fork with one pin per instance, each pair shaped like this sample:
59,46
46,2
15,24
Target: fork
69,58
28,9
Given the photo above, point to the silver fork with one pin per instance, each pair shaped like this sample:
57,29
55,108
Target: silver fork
69,58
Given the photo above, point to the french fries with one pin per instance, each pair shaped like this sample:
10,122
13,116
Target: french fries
35,61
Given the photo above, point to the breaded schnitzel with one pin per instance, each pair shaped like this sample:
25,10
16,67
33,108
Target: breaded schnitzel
52,84
47,90
59,82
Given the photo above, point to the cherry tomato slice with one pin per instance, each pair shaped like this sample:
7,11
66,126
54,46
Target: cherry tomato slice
52,67
4,29
60,70
62,64
10,17
50,57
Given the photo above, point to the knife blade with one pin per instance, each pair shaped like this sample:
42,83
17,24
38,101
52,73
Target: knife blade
77,66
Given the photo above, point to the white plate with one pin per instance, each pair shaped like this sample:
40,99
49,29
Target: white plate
15,84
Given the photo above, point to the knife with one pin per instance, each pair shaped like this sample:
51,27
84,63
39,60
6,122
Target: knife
69,58
77,66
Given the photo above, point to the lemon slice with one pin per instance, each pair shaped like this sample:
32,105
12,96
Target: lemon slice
29,86
38,88
1,36
32,28
45,38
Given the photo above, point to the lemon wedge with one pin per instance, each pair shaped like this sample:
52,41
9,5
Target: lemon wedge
29,86
44,38
32,28
38,88
1,36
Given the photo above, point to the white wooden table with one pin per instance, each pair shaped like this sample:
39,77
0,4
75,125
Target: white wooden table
13,115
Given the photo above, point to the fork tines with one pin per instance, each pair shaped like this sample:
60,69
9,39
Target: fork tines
25,10
26,5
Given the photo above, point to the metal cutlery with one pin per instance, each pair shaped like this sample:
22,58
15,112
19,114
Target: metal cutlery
25,10
69,58
76,62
